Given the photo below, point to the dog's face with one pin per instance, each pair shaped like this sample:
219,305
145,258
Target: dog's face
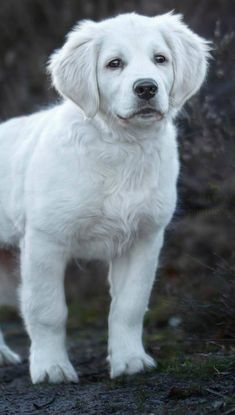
135,72
131,68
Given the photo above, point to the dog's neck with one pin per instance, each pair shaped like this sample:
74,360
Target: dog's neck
114,131
129,132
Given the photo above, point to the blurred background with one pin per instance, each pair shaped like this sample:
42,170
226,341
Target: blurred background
195,288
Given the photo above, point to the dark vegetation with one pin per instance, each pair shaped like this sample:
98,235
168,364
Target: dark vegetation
190,327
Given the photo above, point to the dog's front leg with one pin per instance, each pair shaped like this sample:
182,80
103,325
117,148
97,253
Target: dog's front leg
44,309
131,278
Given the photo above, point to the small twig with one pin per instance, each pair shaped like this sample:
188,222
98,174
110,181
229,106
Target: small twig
215,393
195,259
224,397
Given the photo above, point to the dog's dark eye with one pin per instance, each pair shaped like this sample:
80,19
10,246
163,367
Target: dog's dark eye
159,58
115,63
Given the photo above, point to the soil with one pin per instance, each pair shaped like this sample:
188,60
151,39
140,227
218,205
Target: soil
190,383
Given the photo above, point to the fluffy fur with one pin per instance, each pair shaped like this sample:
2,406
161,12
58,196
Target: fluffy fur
95,177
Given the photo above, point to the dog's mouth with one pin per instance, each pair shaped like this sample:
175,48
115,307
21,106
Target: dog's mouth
146,112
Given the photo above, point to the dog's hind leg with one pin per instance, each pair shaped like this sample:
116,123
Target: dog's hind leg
7,298
7,356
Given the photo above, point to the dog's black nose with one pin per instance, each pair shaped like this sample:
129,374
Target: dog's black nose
145,88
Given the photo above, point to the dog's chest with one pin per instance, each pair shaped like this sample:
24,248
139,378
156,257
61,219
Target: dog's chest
123,201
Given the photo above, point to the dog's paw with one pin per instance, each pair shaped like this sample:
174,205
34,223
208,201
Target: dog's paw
130,365
8,357
54,372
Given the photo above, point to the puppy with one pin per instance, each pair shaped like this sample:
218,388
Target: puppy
94,177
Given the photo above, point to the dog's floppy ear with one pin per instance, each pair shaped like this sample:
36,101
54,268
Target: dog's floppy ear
73,68
190,54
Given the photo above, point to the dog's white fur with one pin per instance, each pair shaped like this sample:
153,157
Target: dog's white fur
89,179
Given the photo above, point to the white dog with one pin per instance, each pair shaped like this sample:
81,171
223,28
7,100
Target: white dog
95,178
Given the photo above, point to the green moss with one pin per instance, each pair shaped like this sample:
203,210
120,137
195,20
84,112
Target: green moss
197,366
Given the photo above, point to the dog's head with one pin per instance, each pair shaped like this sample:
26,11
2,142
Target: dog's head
131,67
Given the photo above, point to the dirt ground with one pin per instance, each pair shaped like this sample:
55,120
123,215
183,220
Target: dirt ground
193,377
